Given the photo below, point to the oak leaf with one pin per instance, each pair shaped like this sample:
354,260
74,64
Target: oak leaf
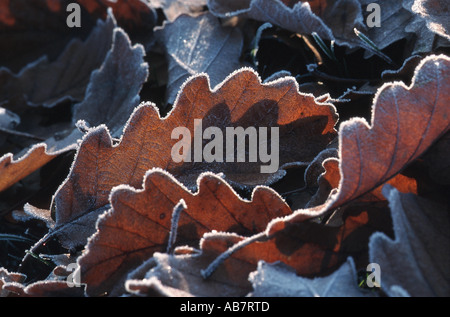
209,48
277,280
9,277
416,260
48,83
305,128
113,90
406,122
140,221
123,67
31,29
13,170
436,15
331,20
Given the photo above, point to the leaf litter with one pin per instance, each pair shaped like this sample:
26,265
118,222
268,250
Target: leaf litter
88,179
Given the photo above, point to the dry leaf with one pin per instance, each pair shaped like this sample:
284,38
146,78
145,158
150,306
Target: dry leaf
50,83
174,8
305,128
140,221
44,289
113,90
277,280
416,260
299,18
406,122
209,48
7,277
179,275
436,15
13,170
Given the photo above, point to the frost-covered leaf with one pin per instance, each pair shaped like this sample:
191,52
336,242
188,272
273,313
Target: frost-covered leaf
397,22
199,45
31,29
111,97
46,288
406,122
140,221
417,259
305,128
312,248
113,90
331,20
436,14
9,277
13,170
47,83
174,8
179,275
277,280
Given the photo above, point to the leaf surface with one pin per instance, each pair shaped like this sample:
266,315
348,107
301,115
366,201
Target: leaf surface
113,90
276,280
406,121
305,128
416,260
209,48
139,222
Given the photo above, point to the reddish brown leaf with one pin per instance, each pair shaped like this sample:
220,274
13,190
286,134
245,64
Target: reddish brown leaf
305,128
331,20
12,171
406,122
140,221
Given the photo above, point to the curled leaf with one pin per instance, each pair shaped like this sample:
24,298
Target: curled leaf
209,48
139,222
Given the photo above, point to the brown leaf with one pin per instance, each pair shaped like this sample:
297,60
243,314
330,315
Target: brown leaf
12,171
406,122
305,128
312,249
417,259
48,83
139,223
44,288
436,13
